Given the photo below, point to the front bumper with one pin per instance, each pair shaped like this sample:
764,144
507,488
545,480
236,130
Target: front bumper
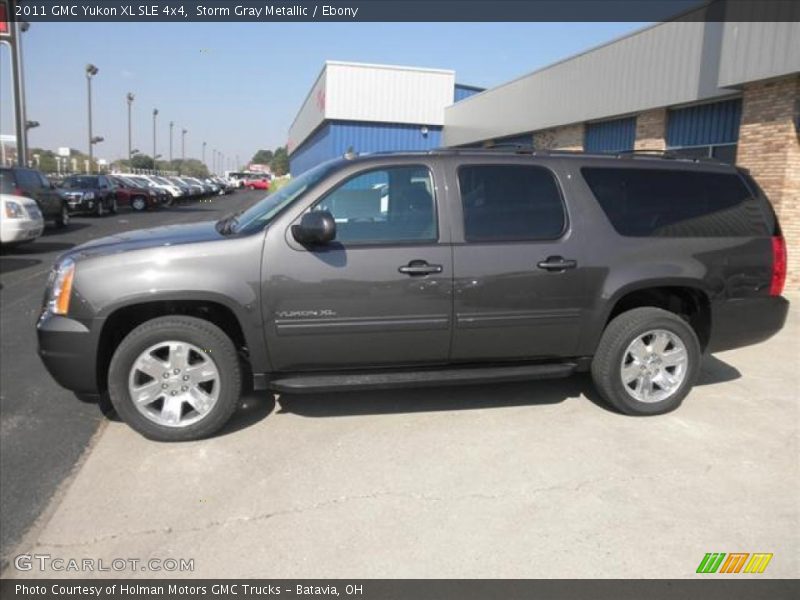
81,204
746,321
21,230
68,349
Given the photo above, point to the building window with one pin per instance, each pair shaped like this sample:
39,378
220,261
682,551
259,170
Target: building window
618,135
706,130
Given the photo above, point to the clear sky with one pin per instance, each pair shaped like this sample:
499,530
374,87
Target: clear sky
238,86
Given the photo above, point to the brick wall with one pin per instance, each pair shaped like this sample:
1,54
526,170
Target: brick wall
568,137
770,148
651,130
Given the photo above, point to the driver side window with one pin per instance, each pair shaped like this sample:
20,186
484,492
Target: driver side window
384,206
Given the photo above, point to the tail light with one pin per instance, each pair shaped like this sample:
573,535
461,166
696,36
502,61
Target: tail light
779,260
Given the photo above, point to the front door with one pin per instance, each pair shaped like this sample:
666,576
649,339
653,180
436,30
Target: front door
379,295
520,274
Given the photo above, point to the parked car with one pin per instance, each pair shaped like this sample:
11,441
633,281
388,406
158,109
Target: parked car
196,190
257,184
481,266
21,219
134,194
166,191
89,193
30,183
185,190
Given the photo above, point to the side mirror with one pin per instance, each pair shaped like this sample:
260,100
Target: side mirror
315,228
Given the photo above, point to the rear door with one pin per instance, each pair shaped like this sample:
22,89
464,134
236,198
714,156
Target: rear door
520,288
381,293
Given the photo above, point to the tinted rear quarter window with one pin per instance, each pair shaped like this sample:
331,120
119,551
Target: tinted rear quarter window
676,203
7,184
510,203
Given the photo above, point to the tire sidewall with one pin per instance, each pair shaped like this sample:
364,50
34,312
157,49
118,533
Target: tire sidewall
218,347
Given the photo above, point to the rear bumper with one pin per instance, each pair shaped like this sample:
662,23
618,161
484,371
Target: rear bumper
737,323
20,230
68,349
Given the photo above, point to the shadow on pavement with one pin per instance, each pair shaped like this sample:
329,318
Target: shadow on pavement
37,247
7,264
714,370
73,226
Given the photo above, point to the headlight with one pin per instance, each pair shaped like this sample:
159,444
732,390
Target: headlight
60,292
14,210
88,196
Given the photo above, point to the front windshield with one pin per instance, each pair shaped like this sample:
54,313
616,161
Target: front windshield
263,211
80,182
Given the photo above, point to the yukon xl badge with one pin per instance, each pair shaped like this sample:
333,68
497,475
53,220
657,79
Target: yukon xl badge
304,314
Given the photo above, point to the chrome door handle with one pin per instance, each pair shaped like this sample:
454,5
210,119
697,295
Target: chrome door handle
420,267
557,263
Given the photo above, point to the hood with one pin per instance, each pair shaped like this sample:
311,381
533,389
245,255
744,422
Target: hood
171,235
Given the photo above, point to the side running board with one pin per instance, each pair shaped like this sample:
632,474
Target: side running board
308,383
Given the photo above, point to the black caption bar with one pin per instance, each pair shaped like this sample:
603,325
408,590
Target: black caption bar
388,589
405,10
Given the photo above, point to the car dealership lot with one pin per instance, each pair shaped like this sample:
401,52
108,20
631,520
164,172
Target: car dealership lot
514,480
45,428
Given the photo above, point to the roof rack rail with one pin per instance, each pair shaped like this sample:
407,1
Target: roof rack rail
667,154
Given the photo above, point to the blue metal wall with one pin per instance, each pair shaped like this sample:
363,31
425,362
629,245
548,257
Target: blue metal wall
610,136
715,123
334,138
465,91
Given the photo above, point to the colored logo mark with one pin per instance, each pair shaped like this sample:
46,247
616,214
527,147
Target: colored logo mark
734,562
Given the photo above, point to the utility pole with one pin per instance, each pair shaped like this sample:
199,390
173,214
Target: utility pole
204,153
183,146
171,124
16,28
91,71
155,114
129,98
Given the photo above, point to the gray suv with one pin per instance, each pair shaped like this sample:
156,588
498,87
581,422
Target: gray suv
416,269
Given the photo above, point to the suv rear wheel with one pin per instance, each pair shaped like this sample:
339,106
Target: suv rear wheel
647,361
62,220
175,378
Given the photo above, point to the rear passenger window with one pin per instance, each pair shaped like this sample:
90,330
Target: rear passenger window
510,202
384,206
671,203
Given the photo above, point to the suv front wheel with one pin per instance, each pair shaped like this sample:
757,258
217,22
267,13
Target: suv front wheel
175,378
647,361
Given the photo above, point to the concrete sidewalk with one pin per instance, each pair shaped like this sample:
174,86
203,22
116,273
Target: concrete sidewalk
524,480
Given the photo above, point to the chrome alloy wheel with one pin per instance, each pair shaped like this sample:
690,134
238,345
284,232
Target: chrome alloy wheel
174,384
654,366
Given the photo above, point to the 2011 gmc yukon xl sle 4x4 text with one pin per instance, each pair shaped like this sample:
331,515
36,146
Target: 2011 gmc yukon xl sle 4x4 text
451,266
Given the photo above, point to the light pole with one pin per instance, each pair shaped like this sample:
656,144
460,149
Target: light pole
183,145
204,153
213,160
129,98
171,125
155,114
91,71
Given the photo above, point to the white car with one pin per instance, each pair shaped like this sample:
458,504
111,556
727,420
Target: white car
20,219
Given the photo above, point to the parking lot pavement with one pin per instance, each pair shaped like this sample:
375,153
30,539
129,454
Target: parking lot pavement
44,429
517,480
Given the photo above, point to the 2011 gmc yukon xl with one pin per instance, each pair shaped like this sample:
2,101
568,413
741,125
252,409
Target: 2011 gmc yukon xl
452,266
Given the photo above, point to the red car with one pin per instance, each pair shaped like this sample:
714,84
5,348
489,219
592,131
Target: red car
257,184
130,194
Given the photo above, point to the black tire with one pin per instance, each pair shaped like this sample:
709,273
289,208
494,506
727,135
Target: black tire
201,334
139,204
622,331
62,220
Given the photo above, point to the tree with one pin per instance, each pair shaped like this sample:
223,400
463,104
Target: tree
263,157
142,161
280,162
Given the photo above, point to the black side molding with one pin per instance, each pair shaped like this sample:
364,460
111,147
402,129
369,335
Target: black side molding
308,383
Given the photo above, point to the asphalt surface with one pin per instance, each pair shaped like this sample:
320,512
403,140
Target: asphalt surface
45,429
